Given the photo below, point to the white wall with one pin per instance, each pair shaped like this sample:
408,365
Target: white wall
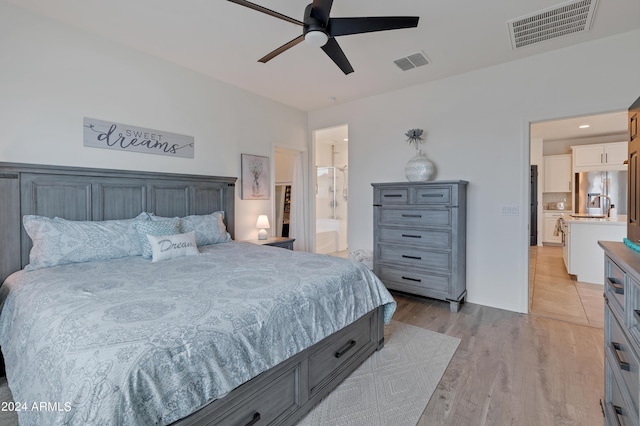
284,166
477,127
54,75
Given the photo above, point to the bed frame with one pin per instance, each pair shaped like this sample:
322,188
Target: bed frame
281,395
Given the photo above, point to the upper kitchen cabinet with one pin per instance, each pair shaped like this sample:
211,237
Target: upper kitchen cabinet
557,173
607,156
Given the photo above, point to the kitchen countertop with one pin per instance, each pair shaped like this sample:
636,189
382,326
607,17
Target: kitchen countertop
621,220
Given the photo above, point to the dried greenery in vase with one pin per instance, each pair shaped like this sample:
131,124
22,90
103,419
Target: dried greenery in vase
414,137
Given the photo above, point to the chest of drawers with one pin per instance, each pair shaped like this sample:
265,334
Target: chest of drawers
621,334
419,237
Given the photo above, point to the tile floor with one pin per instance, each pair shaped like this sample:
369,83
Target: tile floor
553,294
343,253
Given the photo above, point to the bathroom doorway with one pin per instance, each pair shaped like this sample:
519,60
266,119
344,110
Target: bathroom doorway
291,196
331,190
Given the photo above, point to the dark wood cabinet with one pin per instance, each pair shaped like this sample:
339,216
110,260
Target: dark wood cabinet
633,218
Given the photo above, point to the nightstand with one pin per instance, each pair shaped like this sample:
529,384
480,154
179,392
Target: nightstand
282,242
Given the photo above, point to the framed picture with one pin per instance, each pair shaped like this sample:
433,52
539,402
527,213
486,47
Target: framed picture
255,177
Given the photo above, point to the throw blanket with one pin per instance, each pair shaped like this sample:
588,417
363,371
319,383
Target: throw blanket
131,342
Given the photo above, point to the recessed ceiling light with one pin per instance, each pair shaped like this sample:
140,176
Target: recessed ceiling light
584,126
346,139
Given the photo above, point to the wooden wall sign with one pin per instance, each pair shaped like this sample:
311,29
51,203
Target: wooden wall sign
124,137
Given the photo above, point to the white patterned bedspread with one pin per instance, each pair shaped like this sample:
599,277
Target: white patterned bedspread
131,342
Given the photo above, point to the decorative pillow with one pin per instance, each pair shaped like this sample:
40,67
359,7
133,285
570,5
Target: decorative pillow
155,227
171,246
209,228
59,241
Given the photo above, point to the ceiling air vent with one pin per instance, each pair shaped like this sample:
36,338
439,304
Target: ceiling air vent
564,19
416,60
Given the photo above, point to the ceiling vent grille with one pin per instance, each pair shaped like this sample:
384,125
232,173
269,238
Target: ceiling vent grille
412,61
558,21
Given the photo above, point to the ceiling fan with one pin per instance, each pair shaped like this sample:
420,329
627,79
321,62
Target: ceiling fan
318,29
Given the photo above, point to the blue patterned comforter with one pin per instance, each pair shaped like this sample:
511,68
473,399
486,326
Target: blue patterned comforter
131,342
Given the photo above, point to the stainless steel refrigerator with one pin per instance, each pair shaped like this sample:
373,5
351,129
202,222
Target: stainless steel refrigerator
593,188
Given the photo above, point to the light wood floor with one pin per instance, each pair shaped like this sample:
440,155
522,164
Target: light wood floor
510,368
546,368
541,369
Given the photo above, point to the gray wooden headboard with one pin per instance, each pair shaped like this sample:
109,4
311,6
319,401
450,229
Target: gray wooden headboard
76,193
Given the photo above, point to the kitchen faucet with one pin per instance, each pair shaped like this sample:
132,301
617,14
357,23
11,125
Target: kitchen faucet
592,203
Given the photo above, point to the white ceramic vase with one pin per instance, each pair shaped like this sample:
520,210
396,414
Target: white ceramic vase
419,168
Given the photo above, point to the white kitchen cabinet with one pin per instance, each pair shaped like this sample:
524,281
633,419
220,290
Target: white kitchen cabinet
607,156
585,256
557,173
617,153
548,227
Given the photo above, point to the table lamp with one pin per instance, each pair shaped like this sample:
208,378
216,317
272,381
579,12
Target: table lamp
263,225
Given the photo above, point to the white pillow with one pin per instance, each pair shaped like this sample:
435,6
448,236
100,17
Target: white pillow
164,247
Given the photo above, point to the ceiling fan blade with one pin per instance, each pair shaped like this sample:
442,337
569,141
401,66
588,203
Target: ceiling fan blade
347,26
320,10
281,49
267,11
333,50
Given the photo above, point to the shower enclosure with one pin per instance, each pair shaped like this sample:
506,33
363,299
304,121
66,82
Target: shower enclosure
331,209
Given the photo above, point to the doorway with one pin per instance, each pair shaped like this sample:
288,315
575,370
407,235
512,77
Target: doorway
553,292
290,199
331,190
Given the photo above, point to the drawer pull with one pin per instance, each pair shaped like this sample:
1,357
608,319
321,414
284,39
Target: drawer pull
411,257
346,348
412,215
432,195
393,195
412,279
617,288
255,419
411,236
618,412
615,347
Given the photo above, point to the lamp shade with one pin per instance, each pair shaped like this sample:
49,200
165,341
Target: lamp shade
263,222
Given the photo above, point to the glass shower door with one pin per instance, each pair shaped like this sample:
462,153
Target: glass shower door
325,193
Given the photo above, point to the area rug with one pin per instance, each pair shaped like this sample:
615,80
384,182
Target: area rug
393,386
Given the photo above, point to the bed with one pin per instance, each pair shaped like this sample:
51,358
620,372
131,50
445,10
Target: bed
108,341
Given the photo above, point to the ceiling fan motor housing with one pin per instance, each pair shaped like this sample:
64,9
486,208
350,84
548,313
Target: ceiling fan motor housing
314,31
